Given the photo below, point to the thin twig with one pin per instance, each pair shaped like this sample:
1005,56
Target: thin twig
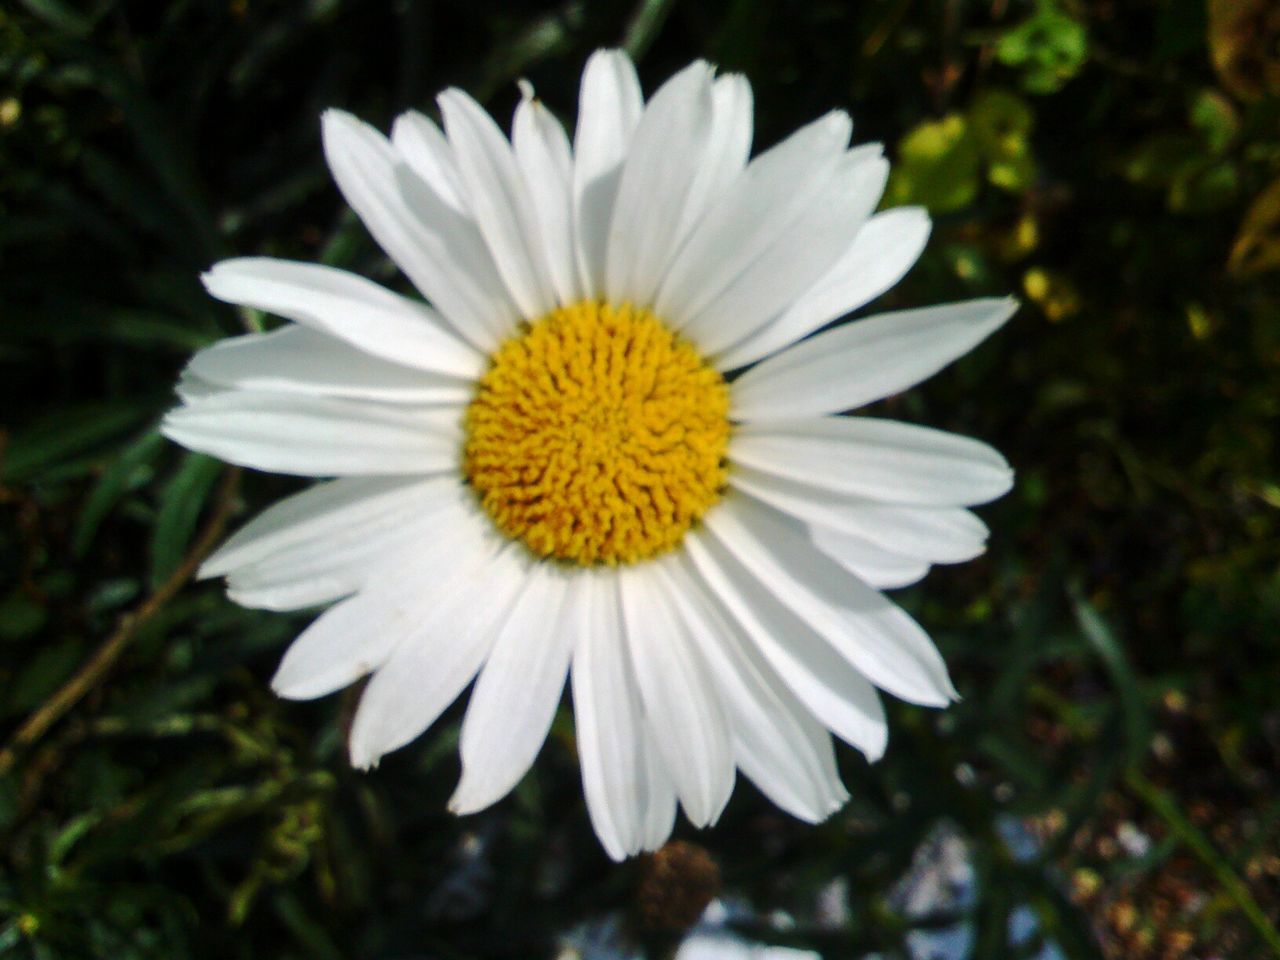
92,672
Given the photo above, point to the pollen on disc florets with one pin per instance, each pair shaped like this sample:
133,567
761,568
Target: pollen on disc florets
597,435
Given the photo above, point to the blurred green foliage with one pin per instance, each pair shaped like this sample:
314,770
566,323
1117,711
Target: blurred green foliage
1116,163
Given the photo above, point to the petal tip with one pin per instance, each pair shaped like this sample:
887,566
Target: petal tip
361,755
332,117
464,801
211,568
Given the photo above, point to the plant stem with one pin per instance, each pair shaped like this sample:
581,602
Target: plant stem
92,672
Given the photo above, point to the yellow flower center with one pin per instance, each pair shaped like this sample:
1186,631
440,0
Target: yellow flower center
597,435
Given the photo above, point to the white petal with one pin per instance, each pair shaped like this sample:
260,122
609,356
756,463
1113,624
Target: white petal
771,194
879,639
499,201
439,249
609,107
515,698
295,359
191,388
307,518
347,641
728,147
680,702
796,258
835,692
660,796
886,247
777,742
878,459
865,361
358,635
546,162
868,561
318,436
332,562
662,163
933,534
428,670
423,147
351,308
608,724
318,579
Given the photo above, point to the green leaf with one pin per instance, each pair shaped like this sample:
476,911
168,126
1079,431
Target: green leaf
71,432
181,501
1204,188
62,16
1001,123
47,669
938,166
20,616
1104,643
127,472
1049,49
1216,119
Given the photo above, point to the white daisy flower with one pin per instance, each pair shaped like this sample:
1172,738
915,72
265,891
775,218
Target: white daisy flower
552,467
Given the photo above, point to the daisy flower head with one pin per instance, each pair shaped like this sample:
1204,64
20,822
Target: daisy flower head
606,444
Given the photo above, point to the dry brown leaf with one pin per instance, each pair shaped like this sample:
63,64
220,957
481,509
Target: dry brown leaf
1257,245
1243,38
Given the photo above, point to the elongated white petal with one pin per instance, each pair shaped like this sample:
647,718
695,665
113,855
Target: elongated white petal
191,388
864,361
352,309
878,459
324,561
396,601
777,743
308,576
609,107
429,669
424,148
318,436
295,359
727,150
546,162
660,795
662,163
873,564
873,634
608,724
630,796
515,698
883,251
933,534
838,695
439,249
499,201
347,641
797,258
351,562
309,517
770,195
680,702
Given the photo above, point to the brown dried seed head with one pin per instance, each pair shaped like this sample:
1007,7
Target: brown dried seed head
678,882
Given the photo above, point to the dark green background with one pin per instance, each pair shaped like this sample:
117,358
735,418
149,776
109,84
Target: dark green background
1116,649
